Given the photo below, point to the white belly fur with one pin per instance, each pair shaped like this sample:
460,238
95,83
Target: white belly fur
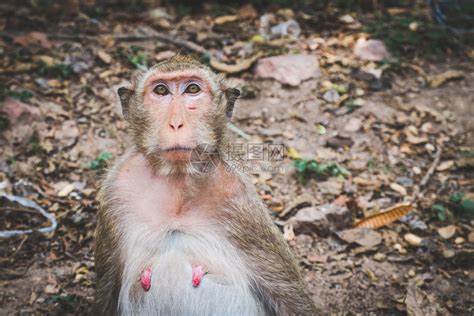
170,255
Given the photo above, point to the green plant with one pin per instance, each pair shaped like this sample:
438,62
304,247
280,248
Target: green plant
308,168
401,36
100,162
62,71
23,96
137,58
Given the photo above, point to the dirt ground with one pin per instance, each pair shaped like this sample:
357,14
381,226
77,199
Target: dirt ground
391,138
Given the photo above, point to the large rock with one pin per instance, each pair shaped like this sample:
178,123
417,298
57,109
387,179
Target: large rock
288,69
321,220
19,120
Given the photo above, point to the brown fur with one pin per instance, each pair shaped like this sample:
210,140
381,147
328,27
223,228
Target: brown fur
234,207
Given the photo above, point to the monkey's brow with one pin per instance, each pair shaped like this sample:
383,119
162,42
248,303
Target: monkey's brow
187,78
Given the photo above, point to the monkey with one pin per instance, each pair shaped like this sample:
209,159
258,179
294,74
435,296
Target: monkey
176,239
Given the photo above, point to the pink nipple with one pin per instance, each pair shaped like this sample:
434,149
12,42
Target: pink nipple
198,273
145,279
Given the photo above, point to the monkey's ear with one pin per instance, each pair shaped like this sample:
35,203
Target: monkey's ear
231,95
125,95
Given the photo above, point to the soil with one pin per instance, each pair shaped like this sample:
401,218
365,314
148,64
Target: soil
55,274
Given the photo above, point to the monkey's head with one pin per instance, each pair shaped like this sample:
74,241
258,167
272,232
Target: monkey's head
173,109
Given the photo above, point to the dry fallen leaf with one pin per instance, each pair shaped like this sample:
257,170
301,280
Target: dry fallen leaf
105,57
293,153
445,165
66,190
438,80
236,68
33,38
447,232
398,188
385,217
226,19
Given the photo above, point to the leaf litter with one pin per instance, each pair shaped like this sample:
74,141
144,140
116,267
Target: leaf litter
363,129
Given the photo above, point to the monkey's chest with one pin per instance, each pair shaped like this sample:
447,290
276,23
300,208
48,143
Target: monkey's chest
174,273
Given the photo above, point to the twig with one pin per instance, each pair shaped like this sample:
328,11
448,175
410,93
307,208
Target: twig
17,209
428,174
30,204
20,246
432,168
238,131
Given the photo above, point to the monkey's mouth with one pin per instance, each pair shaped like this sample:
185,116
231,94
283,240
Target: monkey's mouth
178,153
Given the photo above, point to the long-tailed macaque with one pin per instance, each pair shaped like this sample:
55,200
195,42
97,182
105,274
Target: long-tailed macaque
176,239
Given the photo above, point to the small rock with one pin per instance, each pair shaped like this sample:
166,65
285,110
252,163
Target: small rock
430,147
459,240
413,240
448,253
414,222
411,273
405,181
361,236
288,69
380,257
416,170
372,49
353,125
321,220
331,95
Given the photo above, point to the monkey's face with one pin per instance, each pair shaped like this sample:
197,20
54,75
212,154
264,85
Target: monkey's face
181,110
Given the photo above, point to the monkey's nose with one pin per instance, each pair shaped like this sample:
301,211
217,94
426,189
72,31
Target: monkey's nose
176,126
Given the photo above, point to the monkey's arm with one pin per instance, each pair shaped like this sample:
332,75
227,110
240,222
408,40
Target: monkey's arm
107,267
277,280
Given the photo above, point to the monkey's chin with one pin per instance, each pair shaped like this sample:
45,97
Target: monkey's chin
177,155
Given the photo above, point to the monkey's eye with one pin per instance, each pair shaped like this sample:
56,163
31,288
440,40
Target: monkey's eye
161,90
193,88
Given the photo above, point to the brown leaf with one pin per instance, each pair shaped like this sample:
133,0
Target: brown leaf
226,19
106,58
33,38
232,69
440,79
385,217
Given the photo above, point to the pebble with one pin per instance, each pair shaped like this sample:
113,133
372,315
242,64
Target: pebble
459,240
379,256
413,240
